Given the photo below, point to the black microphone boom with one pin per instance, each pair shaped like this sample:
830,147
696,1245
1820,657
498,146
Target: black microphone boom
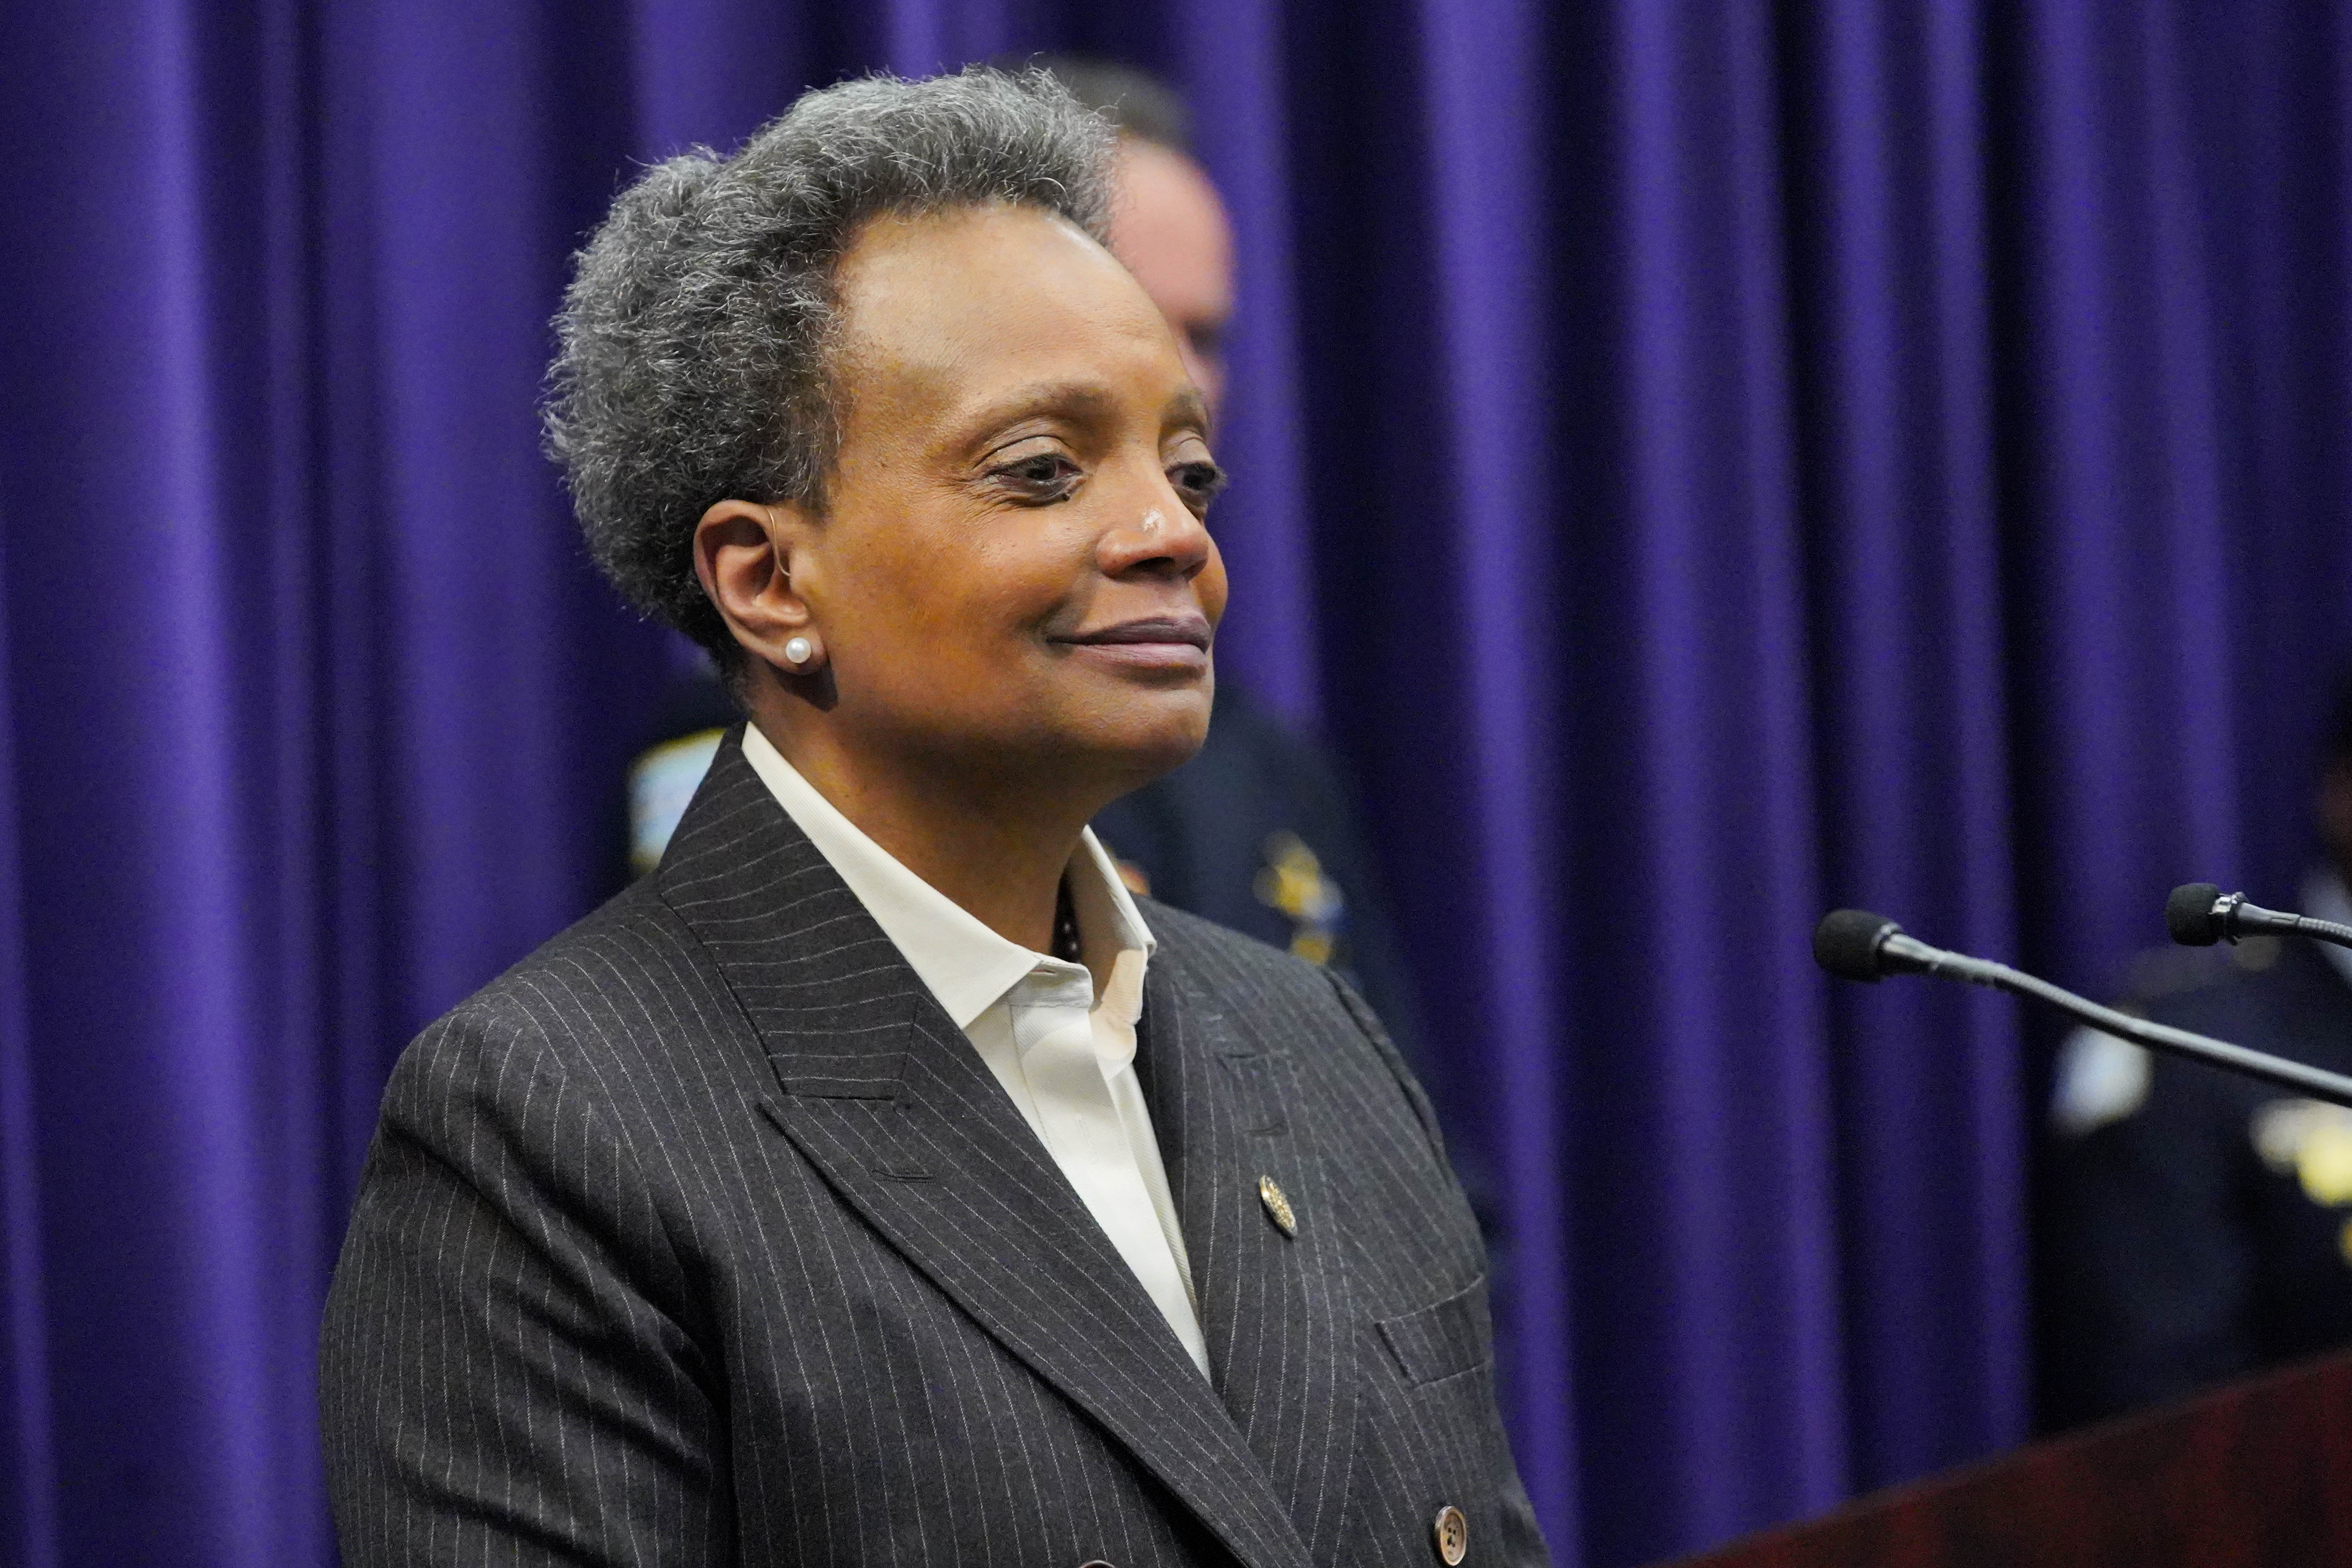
2200,914
1857,945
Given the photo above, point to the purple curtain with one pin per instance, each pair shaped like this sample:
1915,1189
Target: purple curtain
1698,463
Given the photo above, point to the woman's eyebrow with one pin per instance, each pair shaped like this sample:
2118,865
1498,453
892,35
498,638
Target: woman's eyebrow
1189,408
1084,401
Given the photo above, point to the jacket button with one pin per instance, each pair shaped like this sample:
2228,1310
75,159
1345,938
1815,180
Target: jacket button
1452,1536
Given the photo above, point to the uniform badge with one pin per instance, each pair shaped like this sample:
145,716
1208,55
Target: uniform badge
1293,883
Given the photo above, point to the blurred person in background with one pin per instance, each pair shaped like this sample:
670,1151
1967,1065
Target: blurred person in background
2199,1224
1257,832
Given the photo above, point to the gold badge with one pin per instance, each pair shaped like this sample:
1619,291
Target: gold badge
1276,1205
1293,883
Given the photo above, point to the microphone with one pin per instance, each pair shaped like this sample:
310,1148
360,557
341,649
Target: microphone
2200,914
1855,944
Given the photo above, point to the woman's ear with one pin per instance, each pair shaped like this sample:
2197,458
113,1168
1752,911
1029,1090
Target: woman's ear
746,554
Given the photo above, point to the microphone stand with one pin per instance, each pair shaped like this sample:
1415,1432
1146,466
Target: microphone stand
1857,945
2200,914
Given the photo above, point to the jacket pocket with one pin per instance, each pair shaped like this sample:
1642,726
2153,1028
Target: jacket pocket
1442,1339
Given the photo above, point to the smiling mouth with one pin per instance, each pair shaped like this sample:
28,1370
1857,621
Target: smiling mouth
1164,643
1190,631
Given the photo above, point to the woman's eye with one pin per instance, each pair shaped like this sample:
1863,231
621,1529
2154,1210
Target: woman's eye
1198,483
1046,476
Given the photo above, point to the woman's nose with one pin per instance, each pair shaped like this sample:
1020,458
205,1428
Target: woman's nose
1155,534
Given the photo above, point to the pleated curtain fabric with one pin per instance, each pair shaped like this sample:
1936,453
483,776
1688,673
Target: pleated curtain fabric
1696,464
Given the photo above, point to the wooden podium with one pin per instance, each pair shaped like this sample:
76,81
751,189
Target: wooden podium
2257,1473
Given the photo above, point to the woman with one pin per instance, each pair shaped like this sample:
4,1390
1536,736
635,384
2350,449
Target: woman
877,1180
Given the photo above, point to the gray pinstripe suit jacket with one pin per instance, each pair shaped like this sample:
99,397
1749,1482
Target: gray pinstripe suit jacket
703,1235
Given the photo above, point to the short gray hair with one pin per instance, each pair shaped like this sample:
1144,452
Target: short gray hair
695,344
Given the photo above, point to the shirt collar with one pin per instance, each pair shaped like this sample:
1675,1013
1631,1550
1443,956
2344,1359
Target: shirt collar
964,964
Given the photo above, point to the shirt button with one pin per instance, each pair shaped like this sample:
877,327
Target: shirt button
1452,1536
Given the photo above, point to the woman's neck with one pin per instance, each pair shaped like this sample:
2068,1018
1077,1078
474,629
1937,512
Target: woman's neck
995,847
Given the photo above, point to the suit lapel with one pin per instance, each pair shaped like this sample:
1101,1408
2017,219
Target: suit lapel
1276,1308
888,1099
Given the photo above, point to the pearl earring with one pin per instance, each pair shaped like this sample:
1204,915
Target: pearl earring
799,650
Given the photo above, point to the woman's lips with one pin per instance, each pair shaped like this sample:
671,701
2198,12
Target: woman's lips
1160,643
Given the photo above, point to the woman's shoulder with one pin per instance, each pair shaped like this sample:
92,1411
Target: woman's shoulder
602,994
633,939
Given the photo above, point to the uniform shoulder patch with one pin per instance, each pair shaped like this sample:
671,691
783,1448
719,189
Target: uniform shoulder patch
662,781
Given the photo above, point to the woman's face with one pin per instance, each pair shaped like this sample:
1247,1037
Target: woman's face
1013,572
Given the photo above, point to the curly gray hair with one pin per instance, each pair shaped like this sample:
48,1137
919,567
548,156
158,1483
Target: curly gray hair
694,362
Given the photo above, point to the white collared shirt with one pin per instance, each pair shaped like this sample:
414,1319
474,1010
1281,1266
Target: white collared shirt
1059,1037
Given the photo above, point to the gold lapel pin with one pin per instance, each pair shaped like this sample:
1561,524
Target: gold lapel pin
1278,1206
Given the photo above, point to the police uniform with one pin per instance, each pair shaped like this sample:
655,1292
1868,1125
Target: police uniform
2199,1224
1256,833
